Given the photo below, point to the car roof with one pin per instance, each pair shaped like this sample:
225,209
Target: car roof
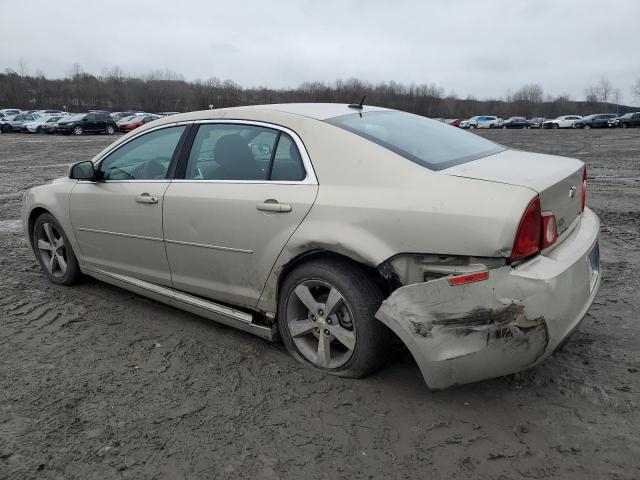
317,111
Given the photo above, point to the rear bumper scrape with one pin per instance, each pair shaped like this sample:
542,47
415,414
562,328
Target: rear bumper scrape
463,334
513,320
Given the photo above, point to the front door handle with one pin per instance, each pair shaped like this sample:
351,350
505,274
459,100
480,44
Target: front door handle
272,205
146,198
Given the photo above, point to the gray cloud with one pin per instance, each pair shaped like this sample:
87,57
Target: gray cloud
468,47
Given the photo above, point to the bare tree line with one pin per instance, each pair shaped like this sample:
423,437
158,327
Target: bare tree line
164,90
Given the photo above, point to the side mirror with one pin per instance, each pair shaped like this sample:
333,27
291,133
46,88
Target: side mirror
82,171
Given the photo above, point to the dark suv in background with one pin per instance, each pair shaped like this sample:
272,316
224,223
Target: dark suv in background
598,120
87,123
631,119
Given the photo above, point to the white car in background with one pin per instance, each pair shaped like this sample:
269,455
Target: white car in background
563,121
10,112
37,125
480,121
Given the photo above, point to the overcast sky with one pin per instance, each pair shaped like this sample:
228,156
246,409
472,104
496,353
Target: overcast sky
477,47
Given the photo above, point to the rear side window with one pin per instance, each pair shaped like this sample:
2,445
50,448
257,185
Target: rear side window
434,145
243,152
287,162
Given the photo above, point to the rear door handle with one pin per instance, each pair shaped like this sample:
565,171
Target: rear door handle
272,205
146,198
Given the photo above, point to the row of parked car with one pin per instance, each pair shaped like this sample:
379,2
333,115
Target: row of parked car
57,121
597,120
100,121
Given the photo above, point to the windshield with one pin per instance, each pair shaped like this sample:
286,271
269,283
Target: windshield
76,117
434,145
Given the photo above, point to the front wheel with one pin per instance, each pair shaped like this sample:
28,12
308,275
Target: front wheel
556,126
587,126
326,318
78,130
54,252
624,125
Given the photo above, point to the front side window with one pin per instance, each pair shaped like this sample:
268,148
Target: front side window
431,144
144,158
243,152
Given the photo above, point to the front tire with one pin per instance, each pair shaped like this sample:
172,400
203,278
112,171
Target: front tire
326,318
78,130
587,126
54,252
555,126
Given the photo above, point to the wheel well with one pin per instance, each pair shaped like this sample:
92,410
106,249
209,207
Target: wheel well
35,213
385,285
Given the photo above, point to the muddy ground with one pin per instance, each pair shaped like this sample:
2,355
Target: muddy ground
96,382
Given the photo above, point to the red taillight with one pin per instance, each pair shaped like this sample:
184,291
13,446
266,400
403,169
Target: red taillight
528,237
549,229
584,188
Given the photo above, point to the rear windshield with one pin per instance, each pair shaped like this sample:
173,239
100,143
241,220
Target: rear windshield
434,145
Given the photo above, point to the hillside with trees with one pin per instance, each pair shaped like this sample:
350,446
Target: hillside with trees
167,91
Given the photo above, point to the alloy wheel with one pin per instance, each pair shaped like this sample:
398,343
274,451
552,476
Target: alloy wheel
320,324
52,249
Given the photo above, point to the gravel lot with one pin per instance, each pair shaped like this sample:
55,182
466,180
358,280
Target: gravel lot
96,382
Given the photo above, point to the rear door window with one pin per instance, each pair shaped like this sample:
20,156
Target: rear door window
243,152
231,152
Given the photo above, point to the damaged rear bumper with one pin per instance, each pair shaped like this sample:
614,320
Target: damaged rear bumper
513,320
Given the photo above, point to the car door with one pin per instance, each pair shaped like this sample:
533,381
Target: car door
242,192
635,120
89,123
101,122
117,220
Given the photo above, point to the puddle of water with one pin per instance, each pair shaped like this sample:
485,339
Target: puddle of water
10,226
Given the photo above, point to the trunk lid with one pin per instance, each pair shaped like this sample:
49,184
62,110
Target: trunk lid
557,180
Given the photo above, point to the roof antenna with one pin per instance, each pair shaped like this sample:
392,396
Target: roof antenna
358,106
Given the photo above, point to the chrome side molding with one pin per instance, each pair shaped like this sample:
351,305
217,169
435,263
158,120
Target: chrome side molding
183,301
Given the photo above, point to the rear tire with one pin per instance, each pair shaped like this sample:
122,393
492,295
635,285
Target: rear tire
53,251
347,340
110,130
